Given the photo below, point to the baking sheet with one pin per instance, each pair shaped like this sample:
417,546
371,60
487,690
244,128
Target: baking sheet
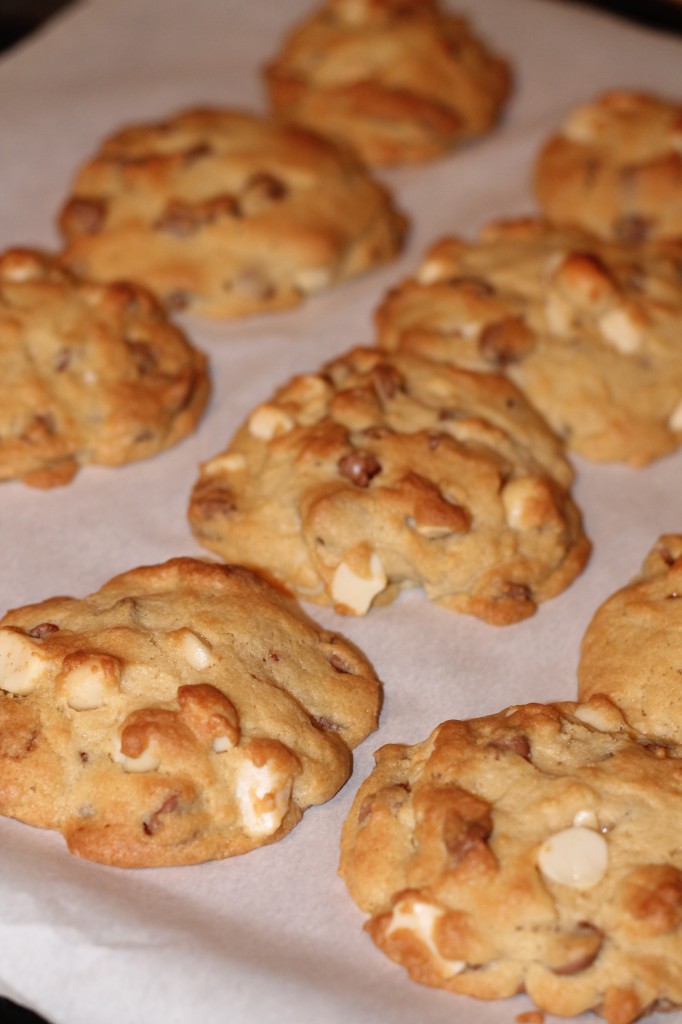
273,936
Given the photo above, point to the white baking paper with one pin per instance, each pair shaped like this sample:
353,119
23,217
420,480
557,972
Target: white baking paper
273,936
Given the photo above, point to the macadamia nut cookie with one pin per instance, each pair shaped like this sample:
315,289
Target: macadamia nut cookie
89,373
383,472
184,712
615,168
535,850
400,80
632,649
589,330
226,214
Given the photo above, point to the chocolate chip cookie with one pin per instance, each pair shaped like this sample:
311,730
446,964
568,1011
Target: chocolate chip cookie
400,80
89,373
615,168
535,850
589,330
184,712
383,472
226,214
632,649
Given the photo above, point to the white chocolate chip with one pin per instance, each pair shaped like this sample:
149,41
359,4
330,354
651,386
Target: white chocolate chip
580,125
604,719
430,272
577,857
618,328
470,329
262,798
148,761
195,651
526,502
585,818
420,918
221,744
312,279
22,663
357,592
86,685
268,422
230,462
675,418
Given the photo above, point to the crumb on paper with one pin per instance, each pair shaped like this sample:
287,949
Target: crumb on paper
531,1017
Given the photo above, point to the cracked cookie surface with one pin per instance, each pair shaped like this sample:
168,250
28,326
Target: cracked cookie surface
226,214
531,850
615,168
632,648
184,712
383,472
400,80
89,373
588,330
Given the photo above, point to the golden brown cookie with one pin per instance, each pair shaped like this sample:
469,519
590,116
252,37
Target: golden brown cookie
89,373
589,330
632,649
383,472
184,712
615,168
226,214
535,850
400,80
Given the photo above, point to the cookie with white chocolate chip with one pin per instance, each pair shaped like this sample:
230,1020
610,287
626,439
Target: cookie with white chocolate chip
184,712
615,167
402,81
227,214
589,330
534,850
384,472
632,648
89,373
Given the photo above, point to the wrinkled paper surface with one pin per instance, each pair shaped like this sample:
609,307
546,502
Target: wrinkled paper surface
273,936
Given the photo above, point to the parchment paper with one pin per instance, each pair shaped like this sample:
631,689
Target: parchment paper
273,936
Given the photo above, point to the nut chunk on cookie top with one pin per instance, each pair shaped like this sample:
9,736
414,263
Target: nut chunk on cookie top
89,373
226,214
184,712
589,330
615,167
533,850
632,649
383,472
400,80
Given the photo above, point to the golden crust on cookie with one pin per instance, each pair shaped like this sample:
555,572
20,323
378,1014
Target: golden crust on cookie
227,214
531,850
184,712
383,472
615,168
632,649
400,80
89,373
589,330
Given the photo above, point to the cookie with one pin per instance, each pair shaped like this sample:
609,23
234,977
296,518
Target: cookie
227,214
89,373
632,649
400,80
535,850
383,472
615,168
184,712
589,330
